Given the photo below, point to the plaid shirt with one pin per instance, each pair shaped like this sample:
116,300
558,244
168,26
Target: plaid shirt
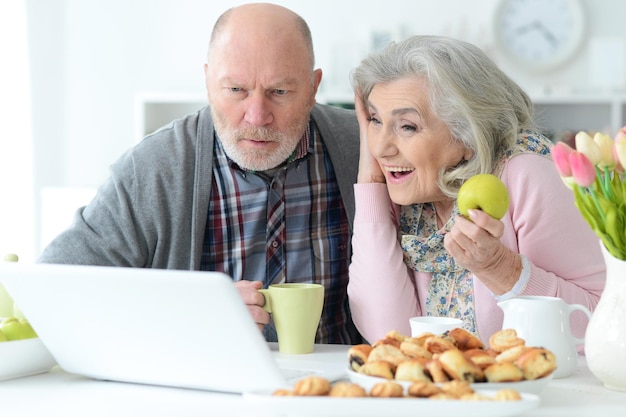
314,244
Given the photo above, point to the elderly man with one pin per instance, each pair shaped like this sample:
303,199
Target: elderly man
258,184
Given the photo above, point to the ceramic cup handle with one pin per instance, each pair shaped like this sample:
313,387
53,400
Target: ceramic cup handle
579,307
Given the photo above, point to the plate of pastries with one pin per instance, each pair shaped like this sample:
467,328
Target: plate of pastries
315,396
456,355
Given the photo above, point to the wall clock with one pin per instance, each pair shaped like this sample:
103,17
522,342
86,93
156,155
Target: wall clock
539,35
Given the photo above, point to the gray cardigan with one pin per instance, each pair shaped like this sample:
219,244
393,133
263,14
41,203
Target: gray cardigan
152,210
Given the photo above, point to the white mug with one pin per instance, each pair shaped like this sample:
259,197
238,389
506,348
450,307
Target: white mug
432,324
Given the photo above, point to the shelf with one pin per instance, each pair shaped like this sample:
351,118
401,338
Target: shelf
555,114
153,111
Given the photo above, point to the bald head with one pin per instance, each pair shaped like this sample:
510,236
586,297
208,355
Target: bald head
266,24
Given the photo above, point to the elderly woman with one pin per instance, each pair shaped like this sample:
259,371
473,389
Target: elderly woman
434,112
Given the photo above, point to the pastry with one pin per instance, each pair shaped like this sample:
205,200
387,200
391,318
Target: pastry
480,357
380,369
465,340
435,370
511,355
459,368
393,334
312,386
504,339
412,370
387,389
283,392
438,344
357,356
414,350
457,388
347,389
420,339
388,353
387,341
503,372
423,389
536,363
442,396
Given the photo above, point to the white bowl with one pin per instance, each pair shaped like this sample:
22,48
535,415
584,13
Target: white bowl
23,358
531,387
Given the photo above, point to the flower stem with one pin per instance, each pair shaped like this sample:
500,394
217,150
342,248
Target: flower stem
608,191
594,197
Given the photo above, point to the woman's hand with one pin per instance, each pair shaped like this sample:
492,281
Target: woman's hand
475,245
369,170
254,300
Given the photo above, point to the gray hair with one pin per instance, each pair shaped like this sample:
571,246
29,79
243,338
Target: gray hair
482,107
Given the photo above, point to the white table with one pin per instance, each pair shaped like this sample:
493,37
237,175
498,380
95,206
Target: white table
58,393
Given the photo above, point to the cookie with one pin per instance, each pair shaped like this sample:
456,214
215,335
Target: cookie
387,389
347,389
312,386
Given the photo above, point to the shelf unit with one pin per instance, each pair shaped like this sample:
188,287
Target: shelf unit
154,110
555,114
589,112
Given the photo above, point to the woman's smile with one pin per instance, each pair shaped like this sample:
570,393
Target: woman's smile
397,175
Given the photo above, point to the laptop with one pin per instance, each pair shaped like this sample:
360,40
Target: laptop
186,329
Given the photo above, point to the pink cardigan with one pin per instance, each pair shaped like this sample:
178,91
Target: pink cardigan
542,223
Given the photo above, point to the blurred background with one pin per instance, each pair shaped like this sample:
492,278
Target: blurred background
81,81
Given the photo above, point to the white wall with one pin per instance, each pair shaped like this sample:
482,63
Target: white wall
91,58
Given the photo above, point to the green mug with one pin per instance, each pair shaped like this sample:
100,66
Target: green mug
296,309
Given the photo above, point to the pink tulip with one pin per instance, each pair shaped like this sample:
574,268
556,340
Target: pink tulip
582,169
560,156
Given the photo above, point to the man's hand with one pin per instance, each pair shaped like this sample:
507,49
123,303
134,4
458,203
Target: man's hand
254,300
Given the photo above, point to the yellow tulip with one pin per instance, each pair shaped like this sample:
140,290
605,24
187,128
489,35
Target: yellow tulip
620,150
586,145
605,144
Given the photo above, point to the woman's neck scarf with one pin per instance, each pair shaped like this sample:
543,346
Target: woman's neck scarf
451,289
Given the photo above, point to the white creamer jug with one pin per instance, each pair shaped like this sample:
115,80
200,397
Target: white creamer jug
545,322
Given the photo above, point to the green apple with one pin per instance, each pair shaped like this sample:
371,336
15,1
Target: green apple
485,192
15,329
11,257
28,330
3,338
